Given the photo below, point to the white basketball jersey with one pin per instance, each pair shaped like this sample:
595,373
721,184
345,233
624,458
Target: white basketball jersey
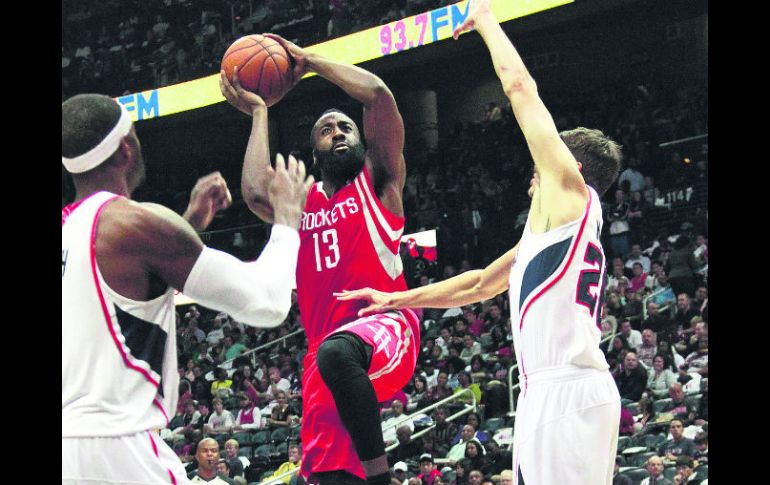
119,372
555,292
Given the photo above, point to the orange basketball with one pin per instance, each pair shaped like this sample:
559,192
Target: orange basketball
264,66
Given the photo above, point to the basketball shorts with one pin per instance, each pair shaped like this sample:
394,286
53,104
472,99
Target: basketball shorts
566,432
326,444
141,458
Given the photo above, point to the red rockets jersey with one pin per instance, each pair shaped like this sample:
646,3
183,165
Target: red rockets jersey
348,241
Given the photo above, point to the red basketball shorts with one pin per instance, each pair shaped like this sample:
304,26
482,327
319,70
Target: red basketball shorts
395,339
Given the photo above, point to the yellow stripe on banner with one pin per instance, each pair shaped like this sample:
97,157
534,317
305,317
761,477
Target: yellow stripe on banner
375,42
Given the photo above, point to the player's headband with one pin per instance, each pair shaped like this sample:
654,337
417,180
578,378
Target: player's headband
104,149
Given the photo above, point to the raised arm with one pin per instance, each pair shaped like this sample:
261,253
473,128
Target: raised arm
257,172
383,125
566,192
463,289
137,240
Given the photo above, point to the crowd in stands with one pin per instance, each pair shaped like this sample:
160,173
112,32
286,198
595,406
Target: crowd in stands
240,401
122,47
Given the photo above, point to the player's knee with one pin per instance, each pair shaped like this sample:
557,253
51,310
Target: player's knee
333,355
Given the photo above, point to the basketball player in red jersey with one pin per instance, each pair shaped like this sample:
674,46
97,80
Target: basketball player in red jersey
350,233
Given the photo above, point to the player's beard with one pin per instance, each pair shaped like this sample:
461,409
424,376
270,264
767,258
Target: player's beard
341,167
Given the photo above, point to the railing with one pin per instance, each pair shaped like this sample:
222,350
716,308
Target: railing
467,409
279,479
512,388
228,364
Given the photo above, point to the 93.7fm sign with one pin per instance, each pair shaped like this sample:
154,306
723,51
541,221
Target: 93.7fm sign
421,29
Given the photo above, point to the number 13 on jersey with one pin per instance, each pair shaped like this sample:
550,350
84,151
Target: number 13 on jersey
327,250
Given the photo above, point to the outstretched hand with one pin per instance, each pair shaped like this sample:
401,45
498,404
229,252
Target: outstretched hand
298,57
243,100
209,196
378,301
288,189
476,8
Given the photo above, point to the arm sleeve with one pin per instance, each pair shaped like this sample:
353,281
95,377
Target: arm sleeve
257,293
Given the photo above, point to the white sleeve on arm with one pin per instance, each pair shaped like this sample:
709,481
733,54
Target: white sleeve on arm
256,293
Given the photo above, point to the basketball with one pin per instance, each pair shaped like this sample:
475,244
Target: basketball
264,66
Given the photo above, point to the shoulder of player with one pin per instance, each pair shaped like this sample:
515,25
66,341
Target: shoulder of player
143,225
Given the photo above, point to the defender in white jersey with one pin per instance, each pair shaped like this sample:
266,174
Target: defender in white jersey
569,407
121,261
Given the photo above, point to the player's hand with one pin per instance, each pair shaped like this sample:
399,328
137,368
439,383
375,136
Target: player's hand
209,196
243,100
287,191
378,301
476,8
298,57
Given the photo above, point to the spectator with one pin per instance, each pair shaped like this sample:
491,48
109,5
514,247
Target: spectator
632,310
666,296
419,393
216,333
620,230
390,425
646,416
617,352
681,266
637,208
236,464
654,467
281,415
618,479
659,323
627,423
399,472
639,278
632,380
443,431
441,390
496,459
275,385
186,427
207,456
648,349
681,407
444,340
701,454
479,371
506,477
221,422
408,449
685,475
470,348
466,382
633,337
474,420
233,349
475,476
457,452
652,283
684,313
678,445
697,361
249,417
701,297
632,175
614,304
462,470
222,386
660,378
294,462
428,471
636,256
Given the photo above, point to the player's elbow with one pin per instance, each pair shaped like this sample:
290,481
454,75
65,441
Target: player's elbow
268,315
517,85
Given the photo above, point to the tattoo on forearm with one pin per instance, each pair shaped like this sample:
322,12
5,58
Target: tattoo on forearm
547,224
